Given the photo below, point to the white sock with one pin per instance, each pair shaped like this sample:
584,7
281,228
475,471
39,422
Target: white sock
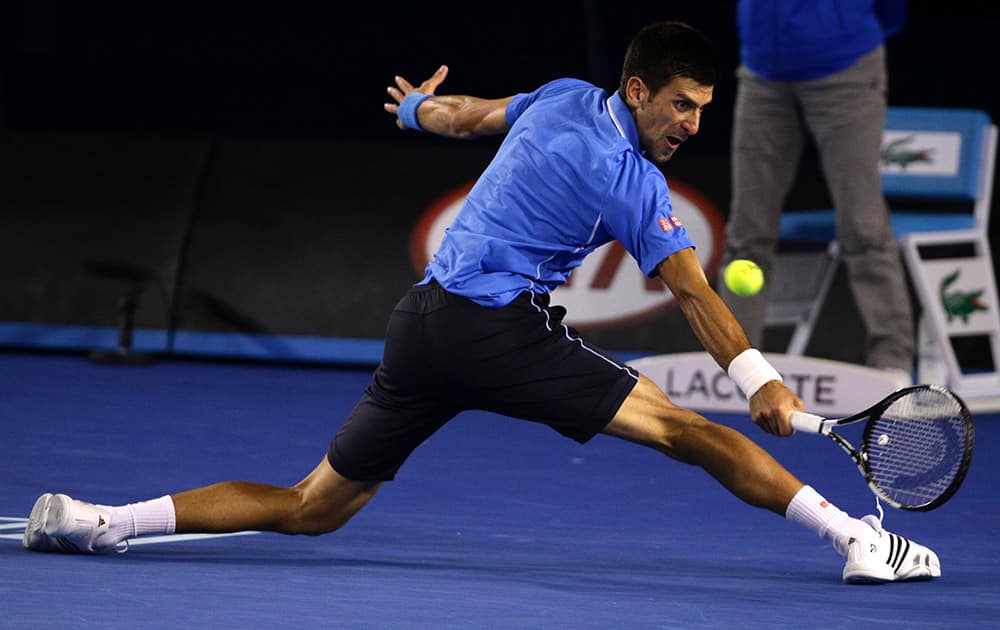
809,509
138,519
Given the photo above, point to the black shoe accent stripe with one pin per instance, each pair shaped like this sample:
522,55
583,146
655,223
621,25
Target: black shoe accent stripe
67,545
902,556
902,547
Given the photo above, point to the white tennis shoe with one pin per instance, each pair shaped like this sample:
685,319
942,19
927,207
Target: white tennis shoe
59,523
887,557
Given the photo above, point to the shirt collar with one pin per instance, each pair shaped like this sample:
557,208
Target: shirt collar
623,121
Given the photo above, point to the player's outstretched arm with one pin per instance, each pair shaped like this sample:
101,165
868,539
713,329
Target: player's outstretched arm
709,317
450,116
723,337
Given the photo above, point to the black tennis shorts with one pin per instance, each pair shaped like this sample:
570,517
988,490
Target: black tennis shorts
445,354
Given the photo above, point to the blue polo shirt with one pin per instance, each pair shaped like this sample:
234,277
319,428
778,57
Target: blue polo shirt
569,177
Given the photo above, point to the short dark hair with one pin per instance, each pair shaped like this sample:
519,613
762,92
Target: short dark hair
662,51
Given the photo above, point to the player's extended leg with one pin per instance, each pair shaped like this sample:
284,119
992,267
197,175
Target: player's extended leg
397,412
320,503
648,417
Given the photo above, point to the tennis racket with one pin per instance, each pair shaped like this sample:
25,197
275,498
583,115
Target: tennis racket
915,449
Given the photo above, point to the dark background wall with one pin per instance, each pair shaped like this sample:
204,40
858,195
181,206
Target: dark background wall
240,155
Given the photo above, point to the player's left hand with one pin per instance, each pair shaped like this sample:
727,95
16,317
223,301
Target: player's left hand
771,406
403,87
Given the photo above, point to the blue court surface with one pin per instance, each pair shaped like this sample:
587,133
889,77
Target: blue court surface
493,523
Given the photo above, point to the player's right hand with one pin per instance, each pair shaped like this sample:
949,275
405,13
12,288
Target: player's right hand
771,407
403,87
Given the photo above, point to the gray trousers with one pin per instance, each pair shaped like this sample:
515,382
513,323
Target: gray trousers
845,115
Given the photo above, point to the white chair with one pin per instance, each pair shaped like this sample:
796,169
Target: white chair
937,155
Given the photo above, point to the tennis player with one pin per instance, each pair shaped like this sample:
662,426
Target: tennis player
577,169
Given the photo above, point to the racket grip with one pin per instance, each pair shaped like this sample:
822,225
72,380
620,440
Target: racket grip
806,422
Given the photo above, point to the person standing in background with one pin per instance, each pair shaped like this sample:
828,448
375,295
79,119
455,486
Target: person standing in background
817,69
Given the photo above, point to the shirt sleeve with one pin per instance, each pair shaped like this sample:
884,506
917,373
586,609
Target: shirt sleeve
638,213
521,102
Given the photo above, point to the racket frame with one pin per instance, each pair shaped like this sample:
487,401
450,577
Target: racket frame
811,423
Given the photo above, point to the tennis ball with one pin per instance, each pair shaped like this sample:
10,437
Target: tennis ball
743,277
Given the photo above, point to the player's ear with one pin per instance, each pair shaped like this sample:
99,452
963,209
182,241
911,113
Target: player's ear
636,92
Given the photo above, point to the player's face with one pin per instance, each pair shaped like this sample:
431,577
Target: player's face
669,117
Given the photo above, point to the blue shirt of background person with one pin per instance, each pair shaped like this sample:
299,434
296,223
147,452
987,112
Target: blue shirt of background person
783,40
569,177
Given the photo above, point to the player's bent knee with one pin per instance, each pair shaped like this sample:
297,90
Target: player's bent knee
324,501
323,514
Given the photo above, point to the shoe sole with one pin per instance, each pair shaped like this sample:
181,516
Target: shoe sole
864,578
55,524
855,576
925,572
34,528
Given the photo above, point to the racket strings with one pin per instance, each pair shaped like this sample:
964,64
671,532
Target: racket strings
915,450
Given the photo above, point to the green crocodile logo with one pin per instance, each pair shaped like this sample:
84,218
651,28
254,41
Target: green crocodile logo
897,153
959,303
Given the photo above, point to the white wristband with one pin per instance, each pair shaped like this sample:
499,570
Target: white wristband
750,370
